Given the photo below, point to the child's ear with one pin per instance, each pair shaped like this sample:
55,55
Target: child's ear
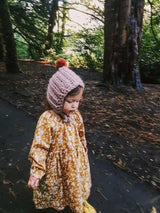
80,102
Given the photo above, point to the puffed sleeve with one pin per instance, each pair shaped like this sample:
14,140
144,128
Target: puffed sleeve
40,145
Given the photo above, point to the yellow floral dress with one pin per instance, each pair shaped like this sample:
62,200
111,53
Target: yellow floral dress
58,158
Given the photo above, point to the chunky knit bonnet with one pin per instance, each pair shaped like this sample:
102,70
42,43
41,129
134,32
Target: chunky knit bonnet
60,84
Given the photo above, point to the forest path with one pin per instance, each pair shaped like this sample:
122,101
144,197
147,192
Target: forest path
113,190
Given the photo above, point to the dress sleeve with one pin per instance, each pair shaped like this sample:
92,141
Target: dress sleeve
40,146
81,130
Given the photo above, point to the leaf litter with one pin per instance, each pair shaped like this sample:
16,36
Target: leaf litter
121,124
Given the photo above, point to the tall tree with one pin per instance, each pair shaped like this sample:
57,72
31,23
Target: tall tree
8,38
1,46
123,27
52,22
61,24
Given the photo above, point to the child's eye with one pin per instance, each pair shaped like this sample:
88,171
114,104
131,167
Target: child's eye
69,101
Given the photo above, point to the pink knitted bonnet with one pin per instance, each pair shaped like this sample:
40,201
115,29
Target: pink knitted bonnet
60,84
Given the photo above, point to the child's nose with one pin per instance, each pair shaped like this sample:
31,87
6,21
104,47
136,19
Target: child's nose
74,104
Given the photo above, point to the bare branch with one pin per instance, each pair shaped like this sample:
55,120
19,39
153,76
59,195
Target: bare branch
97,15
86,13
76,23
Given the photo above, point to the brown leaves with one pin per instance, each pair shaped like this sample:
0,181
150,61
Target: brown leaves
12,193
6,182
10,185
121,124
154,210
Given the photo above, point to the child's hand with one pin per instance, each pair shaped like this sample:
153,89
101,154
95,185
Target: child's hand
33,182
85,147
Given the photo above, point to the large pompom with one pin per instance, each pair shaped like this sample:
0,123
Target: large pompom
60,63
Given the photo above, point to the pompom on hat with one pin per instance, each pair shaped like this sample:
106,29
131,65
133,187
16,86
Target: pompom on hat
60,84
60,63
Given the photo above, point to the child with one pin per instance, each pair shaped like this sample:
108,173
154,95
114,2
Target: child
60,173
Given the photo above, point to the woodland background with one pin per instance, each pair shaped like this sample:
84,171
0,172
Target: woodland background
115,49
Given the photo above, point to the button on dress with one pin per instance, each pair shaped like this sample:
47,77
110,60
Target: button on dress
59,159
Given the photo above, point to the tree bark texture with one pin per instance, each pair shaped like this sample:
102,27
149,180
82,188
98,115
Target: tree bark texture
8,38
1,49
64,15
52,22
123,28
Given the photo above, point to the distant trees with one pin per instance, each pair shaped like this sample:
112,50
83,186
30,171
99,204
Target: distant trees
61,28
43,31
123,28
34,25
51,23
8,39
150,43
30,21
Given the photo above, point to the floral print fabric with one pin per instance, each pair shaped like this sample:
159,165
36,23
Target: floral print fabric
58,158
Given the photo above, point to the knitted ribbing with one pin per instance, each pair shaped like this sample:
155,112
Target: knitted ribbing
60,84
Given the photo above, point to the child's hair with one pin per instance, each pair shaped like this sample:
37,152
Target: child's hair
46,106
74,91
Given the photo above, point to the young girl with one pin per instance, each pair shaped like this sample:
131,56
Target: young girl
60,173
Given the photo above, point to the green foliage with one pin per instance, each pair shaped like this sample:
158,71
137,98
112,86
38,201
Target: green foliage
150,52
87,49
29,21
150,45
22,53
51,56
76,60
83,49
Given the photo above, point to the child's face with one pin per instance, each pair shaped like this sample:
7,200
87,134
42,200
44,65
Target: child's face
71,103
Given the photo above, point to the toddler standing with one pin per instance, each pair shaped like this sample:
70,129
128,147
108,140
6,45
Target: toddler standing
60,173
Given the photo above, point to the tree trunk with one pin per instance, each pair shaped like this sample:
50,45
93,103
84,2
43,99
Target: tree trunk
1,44
1,48
52,22
61,32
63,24
123,27
8,38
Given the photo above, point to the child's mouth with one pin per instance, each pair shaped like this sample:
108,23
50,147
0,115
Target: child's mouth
72,111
